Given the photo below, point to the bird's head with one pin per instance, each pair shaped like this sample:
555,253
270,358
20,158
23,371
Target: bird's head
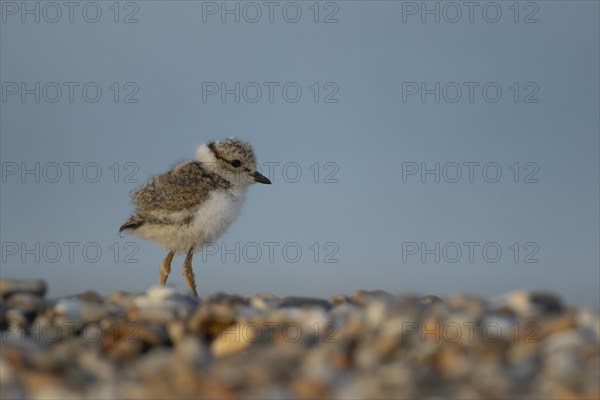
233,159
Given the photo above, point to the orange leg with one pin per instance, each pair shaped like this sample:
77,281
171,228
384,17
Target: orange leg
165,268
188,272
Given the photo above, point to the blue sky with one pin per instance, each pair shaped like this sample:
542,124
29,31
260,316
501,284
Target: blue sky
414,147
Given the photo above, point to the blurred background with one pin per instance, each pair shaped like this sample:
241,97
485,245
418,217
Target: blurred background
414,147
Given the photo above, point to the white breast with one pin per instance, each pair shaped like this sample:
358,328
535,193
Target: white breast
218,212
209,221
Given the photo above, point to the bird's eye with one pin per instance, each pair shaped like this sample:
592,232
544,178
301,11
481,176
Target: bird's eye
236,163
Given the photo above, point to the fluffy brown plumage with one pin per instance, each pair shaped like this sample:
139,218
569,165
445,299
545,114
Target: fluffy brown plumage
195,201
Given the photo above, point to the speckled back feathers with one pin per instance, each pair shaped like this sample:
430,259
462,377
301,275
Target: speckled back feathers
176,195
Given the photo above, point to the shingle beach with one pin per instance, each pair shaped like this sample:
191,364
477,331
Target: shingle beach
372,344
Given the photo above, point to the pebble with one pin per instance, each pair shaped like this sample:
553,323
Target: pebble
231,340
530,304
193,351
69,308
224,299
9,287
265,301
160,304
546,302
472,306
95,312
431,300
297,302
363,297
26,302
373,344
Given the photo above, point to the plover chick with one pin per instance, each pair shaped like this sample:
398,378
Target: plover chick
194,202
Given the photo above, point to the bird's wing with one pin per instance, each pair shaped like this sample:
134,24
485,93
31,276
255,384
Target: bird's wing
183,187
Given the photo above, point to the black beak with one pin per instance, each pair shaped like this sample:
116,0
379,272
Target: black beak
260,178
